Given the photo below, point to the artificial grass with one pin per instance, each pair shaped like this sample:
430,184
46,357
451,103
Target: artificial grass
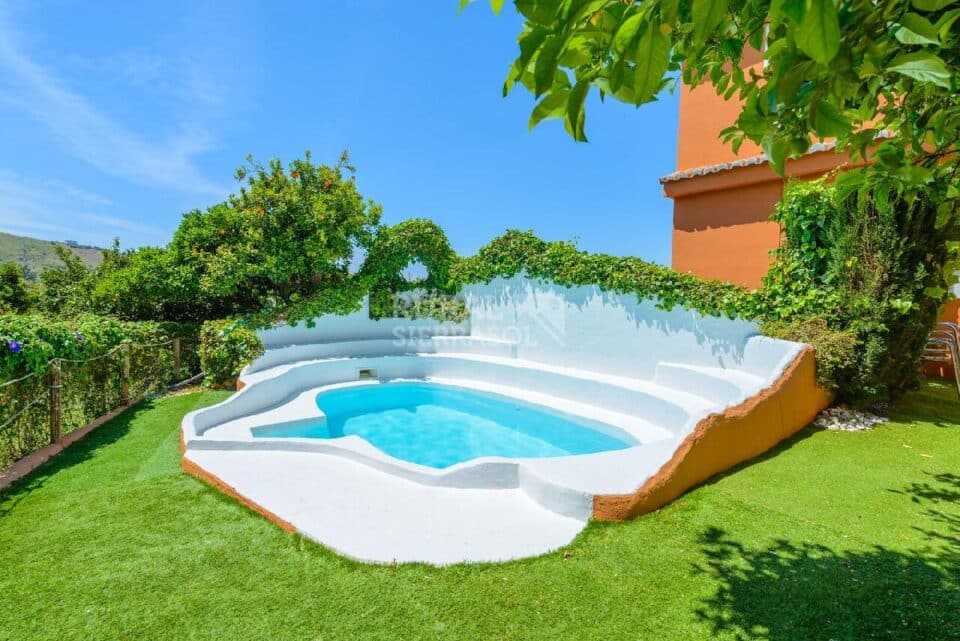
832,536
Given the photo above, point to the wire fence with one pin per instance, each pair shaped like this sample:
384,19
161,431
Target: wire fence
43,407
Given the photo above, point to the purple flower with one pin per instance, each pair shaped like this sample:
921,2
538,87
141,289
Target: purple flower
14,346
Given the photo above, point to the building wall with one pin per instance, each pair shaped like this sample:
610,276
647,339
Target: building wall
727,234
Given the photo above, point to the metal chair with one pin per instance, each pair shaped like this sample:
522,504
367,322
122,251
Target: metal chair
943,346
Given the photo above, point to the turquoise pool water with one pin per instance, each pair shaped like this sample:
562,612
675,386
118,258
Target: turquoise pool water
439,425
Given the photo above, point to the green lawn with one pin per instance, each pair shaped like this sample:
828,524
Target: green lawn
833,536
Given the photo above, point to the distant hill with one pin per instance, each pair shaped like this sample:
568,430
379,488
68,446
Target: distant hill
34,254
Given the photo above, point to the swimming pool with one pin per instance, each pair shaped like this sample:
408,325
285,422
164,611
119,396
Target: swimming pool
440,425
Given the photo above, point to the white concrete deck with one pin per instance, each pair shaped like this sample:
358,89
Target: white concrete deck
372,516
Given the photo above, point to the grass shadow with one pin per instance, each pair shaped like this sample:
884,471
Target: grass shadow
75,454
800,590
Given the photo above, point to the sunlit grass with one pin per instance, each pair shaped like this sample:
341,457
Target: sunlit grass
832,536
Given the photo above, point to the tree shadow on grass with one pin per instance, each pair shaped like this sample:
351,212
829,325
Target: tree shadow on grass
79,452
805,591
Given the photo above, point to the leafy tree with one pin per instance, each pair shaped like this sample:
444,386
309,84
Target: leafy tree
281,247
848,69
65,290
148,284
14,295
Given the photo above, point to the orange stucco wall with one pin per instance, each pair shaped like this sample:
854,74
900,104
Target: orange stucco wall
721,226
703,115
723,440
727,234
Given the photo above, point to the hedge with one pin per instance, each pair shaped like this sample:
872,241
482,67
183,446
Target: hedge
91,353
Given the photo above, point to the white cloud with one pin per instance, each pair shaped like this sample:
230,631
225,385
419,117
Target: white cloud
94,137
112,222
56,210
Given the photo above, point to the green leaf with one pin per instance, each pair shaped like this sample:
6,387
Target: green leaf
924,66
553,105
776,150
669,10
914,29
707,16
818,33
529,42
627,33
576,114
542,12
653,59
546,64
829,122
931,5
496,5
946,21
944,215
577,51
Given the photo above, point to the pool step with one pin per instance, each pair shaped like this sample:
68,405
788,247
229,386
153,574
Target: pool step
280,359
668,407
722,385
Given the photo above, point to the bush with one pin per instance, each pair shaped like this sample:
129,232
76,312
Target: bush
836,349
432,305
860,275
91,372
226,347
14,295
29,341
393,250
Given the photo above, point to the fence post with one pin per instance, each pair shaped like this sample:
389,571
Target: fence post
176,360
56,411
125,379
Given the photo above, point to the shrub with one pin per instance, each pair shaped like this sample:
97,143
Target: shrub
29,341
432,305
91,372
836,348
394,249
14,295
226,347
845,272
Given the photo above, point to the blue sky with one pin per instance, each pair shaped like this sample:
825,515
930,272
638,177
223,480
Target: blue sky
118,118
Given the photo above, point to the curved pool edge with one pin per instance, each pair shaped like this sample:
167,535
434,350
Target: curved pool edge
718,441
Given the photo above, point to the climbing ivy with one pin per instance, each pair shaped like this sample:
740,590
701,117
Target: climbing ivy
521,252
393,249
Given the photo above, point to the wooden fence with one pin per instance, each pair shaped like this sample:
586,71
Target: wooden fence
41,410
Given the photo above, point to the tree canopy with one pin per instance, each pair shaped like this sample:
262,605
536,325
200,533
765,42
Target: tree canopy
852,70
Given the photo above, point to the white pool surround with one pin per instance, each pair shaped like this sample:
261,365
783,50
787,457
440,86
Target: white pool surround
650,376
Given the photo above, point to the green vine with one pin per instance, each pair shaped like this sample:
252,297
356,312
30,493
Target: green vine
518,252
